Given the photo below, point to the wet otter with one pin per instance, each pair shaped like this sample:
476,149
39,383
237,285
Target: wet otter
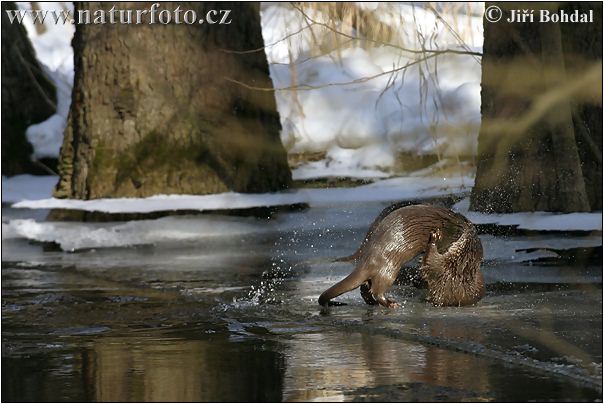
401,233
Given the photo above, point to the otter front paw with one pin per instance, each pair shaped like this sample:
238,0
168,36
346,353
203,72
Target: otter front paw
435,235
392,304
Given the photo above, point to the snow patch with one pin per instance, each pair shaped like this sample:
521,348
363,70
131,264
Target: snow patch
77,236
323,169
395,189
514,249
54,52
535,220
27,187
433,108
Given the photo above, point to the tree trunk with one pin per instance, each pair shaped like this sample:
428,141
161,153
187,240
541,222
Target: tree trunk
582,44
152,111
28,96
529,158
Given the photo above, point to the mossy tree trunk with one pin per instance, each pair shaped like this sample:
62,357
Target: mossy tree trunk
28,96
540,141
152,111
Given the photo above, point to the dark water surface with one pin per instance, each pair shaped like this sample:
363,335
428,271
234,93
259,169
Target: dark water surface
232,316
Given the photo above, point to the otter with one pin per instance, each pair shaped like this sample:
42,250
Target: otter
398,235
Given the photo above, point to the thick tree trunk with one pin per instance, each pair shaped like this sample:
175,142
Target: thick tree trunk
28,96
582,44
529,157
152,111
570,187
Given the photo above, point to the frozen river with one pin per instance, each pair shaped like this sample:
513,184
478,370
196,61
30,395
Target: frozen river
217,308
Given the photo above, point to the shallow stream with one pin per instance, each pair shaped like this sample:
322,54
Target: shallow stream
224,309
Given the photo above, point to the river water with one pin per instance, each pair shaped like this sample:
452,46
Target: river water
224,309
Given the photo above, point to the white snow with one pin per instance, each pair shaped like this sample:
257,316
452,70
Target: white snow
535,220
27,187
318,169
514,248
402,188
46,137
34,192
176,230
433,106
54,51
73,236
53,46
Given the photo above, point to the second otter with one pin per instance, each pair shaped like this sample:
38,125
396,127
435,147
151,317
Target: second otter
453,275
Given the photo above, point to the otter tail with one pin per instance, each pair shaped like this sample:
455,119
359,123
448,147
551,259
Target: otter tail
352,281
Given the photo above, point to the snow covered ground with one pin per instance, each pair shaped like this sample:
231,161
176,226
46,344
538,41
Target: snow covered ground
73,236
54,51
402,188
535,220
34,193
432,107
27,187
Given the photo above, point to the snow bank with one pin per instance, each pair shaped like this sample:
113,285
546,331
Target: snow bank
535,220
318,169
176,230
73,236
403,188
77,236
27,187
54,51
514,249
432,108
33,192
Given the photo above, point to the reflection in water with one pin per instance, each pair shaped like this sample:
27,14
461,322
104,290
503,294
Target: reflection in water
340,366
150,369
456,370
180,370
39,378
358,361
324,371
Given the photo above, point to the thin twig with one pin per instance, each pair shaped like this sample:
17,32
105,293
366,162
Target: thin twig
306,87
415,51
44,167
238,52
311,57
455,34
32,77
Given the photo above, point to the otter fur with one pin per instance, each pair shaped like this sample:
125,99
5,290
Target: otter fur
451,263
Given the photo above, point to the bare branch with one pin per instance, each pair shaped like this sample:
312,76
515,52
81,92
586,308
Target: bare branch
306,87
468,51
243,52
455,34
311,57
